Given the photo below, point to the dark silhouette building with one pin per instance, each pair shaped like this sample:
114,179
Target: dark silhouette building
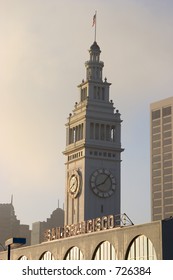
10,225
38,228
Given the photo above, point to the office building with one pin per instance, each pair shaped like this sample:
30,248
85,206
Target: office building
161,159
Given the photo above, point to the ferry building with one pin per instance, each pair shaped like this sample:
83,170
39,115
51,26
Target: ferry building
94,226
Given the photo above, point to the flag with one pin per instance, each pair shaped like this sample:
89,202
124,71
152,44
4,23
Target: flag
94,20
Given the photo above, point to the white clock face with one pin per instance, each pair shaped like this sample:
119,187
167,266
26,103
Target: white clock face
74,184
103,183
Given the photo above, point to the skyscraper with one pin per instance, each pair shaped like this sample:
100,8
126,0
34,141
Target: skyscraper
161,114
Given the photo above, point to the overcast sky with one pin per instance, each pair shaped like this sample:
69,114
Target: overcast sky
43,47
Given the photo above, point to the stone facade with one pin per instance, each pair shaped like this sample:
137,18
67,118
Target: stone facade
158,234
93,149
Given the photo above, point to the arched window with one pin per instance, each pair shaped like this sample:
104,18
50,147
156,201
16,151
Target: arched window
23,258
141,248
47,256
105,251
74,254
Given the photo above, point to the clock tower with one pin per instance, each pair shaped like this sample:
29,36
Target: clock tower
93,149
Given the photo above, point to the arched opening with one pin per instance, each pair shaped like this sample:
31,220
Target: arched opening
141,248
47,256
105,251
23,258
74,254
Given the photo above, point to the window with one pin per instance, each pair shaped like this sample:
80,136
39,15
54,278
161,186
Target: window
166,111
98,92
91,131
108,133
84,91
76,134
155,114
166,120
102,132
95,92
103,93
113,133
97,131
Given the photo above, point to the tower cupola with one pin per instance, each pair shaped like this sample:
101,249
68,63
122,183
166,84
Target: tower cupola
94,65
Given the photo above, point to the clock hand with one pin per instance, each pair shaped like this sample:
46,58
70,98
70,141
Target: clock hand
102,183
73,185
106,178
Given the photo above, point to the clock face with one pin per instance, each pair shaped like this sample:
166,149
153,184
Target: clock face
74,184
103,183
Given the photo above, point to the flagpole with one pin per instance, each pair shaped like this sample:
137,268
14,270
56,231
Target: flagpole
95,25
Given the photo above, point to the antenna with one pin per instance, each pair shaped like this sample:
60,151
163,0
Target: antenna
12,199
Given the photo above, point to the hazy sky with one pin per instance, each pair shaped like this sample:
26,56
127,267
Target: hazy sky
43,47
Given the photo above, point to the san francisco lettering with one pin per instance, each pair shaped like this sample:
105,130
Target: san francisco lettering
93,225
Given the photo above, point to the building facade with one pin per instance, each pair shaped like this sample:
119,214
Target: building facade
150,241
161,119
93,186
93,148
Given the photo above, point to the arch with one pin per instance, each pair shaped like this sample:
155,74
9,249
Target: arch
105,251
74,253
23,258
47,256
141,248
